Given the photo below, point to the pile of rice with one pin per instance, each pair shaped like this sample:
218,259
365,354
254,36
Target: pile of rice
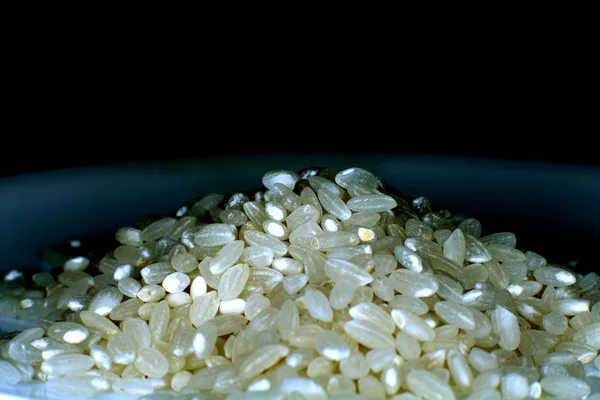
321,286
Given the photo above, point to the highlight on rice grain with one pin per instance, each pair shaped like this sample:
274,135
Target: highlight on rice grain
323,284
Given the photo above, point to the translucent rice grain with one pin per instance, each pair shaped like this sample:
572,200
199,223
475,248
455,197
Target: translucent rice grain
159,321
204,308
158,229
441,235
176,282
122,348
454,247
133,387
364,261
372,203
368,334
449,289
374,314
214,235
487,380
483,326
68,332
262,359
288,319
76,264
151,293
382,288
471,226
284,177
256,238
226,257
333,204
337,270
362,294
534,261
8,373
234,306
408,258
391,379
130,236
71,386
571,307
310,389
459,369
363,219
308,196
103,324
332,346
152,363
255,304
156,273
428,385
455,314
341,294
413,283
68,364
504,253
319,366
589,335
514,386
302,215
565,386
481,360
325,182
304,235
524,289
255,212
257,256
356,176
233,281
504,238
233,217
123,271
339,385
409,304
442,264
371,387
329,240
101,357
329,223
184,262
412,325
417,229
198,287
276,229
476,251
355,366
286,196
294,283
204,340
506,326
106,299
180,380
265,278
139,330
287,266
407,346
553,276
275,211
318,306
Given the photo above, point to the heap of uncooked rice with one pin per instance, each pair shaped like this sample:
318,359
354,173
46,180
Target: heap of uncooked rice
323,285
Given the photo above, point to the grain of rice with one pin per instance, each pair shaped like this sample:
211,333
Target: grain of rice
412,283
378,298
